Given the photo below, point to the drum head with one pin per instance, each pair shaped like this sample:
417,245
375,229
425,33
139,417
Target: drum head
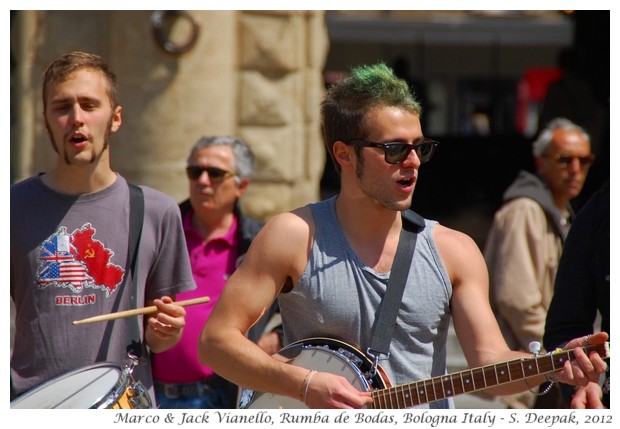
80,389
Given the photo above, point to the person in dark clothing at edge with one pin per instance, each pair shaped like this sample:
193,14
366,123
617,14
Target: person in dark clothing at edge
581,289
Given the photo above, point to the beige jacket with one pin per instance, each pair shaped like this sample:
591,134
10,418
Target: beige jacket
522,252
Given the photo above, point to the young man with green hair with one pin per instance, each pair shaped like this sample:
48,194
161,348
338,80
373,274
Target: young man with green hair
328,264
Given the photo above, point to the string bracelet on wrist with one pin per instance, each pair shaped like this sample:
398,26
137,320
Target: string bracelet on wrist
303,390
308,385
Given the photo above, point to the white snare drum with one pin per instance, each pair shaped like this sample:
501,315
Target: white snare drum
102,385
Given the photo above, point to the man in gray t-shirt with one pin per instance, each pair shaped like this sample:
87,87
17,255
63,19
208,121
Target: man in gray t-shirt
70,243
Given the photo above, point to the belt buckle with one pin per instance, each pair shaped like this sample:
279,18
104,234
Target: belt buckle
171,391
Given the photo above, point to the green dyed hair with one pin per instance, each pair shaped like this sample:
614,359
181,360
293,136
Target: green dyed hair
348,102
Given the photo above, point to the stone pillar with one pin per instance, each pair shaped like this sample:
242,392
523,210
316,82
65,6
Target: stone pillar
281,61
254,74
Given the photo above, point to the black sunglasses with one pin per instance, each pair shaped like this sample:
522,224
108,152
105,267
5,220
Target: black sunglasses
215,174
397,152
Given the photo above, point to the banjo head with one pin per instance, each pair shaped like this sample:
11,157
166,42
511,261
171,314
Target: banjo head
320,354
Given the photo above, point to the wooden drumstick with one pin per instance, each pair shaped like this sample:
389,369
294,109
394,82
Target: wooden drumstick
138,311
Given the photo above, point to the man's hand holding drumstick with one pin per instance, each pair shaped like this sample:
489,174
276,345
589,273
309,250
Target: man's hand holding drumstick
165,325
164,328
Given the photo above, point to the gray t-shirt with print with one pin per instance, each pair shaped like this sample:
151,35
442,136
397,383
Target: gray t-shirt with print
68,261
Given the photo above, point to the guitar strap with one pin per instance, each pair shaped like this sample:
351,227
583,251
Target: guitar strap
136,218
385,320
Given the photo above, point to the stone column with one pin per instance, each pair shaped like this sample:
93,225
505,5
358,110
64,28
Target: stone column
281,61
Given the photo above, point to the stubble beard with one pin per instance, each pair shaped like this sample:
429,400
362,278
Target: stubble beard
377,193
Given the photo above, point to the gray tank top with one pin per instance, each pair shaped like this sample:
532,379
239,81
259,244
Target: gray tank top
337,297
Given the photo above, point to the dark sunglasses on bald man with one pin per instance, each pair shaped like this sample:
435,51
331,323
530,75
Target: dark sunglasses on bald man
215,174
397,152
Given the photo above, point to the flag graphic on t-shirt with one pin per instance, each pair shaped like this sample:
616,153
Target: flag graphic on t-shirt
77,260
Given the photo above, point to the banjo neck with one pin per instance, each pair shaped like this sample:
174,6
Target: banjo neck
338,357
475,379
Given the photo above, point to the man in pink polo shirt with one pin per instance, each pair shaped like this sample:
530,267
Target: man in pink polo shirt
218,235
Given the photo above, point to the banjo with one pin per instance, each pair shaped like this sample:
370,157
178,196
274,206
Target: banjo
340,358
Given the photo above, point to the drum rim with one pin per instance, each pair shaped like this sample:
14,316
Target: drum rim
68,374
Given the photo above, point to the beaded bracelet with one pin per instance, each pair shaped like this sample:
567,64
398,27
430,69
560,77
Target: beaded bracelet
544,391
534,347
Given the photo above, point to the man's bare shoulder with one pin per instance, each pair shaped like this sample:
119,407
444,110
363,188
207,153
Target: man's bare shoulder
442,232
293,228
282,246
462,258
450,240
292,220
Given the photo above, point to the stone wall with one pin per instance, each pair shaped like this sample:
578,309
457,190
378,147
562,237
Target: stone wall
282,57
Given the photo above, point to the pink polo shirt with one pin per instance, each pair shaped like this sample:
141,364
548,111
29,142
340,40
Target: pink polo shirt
212,263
